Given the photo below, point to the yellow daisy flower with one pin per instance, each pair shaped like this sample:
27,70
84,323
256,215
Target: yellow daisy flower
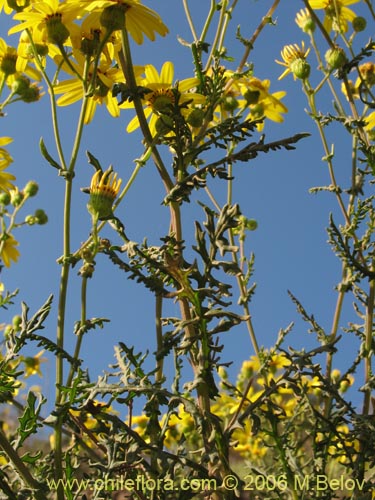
8,250
161,94
337,14
294,59
264,104
140,20
11,66
50,17
32,364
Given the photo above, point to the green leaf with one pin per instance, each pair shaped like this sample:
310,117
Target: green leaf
47,156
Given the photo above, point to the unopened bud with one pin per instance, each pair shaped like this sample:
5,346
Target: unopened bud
335,58
31,189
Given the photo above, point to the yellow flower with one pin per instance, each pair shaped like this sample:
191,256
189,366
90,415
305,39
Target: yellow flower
32,364
337,14
162,95
138,19
8,250
5,161
104,188
294,59
370,121
52,18
266,105
366,78
304,21
73,90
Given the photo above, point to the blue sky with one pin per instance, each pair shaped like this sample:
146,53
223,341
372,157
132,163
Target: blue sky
289,244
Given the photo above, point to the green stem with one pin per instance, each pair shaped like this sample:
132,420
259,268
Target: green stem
223,13
208,21
64,278
80,334
190,20
240,283
159,337
368,345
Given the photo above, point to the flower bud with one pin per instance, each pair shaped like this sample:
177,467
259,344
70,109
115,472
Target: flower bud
195,118
41,216
335,58
305,21
4,198
31,189
7,331
32,94
164,124
359,23
30,220
230,103
16,197
300,68
20,84
16,323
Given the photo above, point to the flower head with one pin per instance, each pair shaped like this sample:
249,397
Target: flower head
263,104
305,21
32,364
104,188
138,19
8,250
106,76
52,18
294,59
162,95
337,14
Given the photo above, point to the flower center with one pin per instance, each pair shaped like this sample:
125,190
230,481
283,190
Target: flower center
161,100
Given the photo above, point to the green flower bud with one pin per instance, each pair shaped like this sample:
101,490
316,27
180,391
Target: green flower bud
16,322
16,197
4,198
359,24
31,189
164,124
113,17
230,103
30,220
7,331
335,58
32,94
41,217
195,118
300,68
20,85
